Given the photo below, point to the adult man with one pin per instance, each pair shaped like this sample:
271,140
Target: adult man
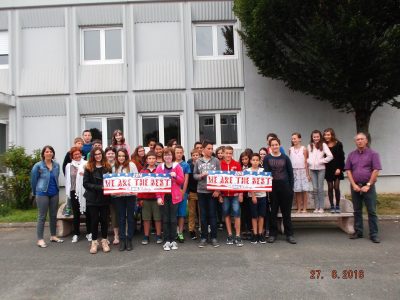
362,168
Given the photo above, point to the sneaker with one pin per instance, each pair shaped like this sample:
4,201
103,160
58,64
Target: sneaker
229,240
261,239
290,239
332,210
174,245
321,211
89,237
203,243
220,226
67,212
167,246
337,209
159,239
214,243
266,234
254,239
193,235
180,238
209,229
316,211
75,239
145,240
238,241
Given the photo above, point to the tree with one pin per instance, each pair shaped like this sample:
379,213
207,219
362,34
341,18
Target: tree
346,52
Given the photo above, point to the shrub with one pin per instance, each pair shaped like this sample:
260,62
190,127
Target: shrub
15,188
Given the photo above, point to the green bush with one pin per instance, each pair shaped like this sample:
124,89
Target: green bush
15,188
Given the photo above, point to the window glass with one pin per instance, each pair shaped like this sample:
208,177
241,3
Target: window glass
204,41
229,133
113,44
3,59
150,129
207,128
172,128
225,40
91,44
112,125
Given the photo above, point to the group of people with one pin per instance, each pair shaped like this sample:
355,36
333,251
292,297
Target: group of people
304,169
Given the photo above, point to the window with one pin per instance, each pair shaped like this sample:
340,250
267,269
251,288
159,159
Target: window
161,127
214,41
101,45
105,127
221,128
4,49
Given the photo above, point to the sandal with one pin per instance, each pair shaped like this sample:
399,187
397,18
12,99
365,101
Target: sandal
56,240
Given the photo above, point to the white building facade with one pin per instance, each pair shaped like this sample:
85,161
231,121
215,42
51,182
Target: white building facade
164,69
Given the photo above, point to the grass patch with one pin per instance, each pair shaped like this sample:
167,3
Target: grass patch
19,215
388,204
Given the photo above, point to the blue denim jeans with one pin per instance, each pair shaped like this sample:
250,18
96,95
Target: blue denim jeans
369,199
126,210
231,206
208,214
317,178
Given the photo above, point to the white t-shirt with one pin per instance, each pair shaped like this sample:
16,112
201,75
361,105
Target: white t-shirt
258,194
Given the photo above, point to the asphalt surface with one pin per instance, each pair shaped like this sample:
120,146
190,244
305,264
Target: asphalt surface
271,271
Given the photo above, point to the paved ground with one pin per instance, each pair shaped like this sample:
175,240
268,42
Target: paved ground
272,271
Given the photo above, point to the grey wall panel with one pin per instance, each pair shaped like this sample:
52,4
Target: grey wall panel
216,100
101,104
46,106
212,11
159,102
42,81
3,20
102,78
99,15
5,81
217,73
156,12
160,75
44,17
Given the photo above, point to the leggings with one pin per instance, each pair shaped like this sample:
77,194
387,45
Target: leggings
44,204
99,214
334,185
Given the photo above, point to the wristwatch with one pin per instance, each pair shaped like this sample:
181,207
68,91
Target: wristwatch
368,184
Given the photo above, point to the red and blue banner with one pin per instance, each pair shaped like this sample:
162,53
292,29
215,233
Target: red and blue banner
132,183
239,181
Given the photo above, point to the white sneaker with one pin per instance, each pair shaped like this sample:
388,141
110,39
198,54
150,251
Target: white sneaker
321,210
89,237
167,246
174,246
316,211
75,239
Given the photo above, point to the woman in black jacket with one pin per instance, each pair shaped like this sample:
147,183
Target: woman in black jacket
97,203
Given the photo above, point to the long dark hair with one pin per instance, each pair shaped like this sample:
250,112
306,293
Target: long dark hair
114,141
319,144
333,134
135,156
91,164
44,150
125,164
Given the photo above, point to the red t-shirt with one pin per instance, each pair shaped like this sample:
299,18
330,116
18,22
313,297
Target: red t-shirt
233,165
147,195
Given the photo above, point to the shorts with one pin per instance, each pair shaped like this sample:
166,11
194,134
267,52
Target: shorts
231,206
182,207
259,209
150,210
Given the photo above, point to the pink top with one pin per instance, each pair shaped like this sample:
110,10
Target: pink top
297,157
176,182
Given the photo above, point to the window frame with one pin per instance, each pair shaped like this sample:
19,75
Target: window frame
6,66
215,55
218,130
160,115
104,119
102,60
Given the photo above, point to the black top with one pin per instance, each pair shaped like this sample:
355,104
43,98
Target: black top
192,183
93,183
280,167
336,163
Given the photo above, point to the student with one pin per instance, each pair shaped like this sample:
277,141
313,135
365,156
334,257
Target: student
169,201
96,144
206,201
172,143
199,147
158,149
87,143
151,144
245,216
219,153
71,172
269,137
231,200
111,153
125,203
334,168
263,153
258,204
118,141
318,155
45,189
97,202
193,199
282,190
150,208
182,206
139,157
298,156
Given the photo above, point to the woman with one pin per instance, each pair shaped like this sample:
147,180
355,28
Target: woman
125,203
118,141
334,168
111,152
282,190
44,183
71,172
138,157
97,203
318,155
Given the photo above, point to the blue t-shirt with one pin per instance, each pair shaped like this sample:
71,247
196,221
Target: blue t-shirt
186,170
52,189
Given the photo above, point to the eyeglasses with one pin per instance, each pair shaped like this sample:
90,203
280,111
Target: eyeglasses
97,154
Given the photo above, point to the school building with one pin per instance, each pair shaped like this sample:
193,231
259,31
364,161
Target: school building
159,69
